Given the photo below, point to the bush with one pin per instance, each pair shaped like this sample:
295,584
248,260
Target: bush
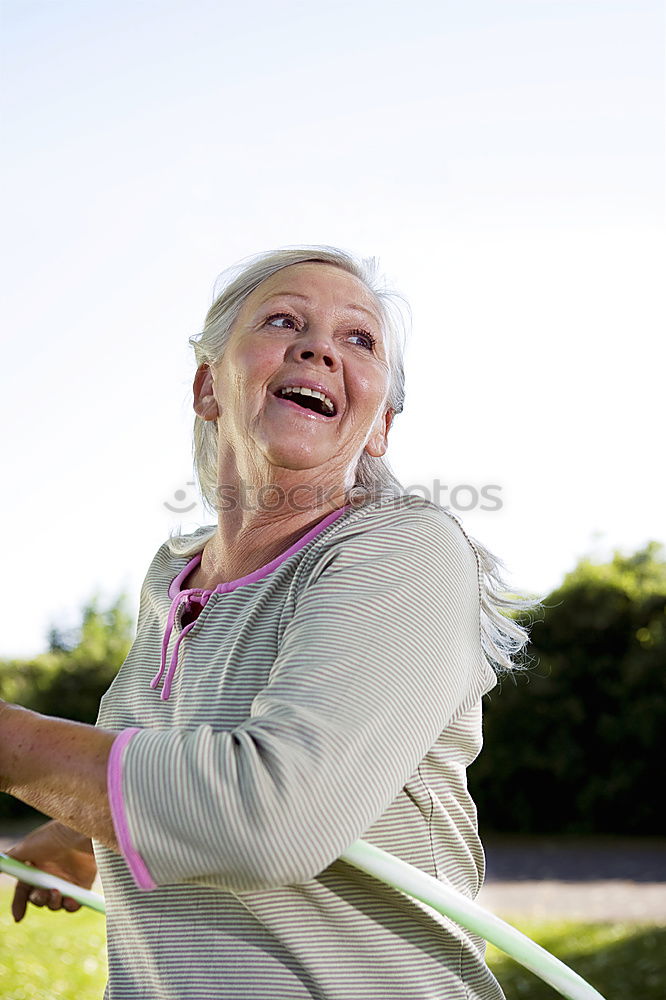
69,680
574,743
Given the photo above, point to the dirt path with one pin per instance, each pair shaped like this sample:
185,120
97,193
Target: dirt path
594,902
577,878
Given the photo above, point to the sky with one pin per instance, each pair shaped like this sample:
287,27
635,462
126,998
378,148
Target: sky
505,164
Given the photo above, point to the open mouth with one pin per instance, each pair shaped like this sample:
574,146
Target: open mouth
313,402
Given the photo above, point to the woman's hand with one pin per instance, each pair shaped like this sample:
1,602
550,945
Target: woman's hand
60,851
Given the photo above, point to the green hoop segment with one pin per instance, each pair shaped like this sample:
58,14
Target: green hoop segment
405,878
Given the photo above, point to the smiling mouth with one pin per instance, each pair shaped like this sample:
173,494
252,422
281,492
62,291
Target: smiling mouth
310,405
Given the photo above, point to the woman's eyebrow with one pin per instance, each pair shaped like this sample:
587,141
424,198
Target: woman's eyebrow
297,295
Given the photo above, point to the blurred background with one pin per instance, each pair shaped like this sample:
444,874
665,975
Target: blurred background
505,163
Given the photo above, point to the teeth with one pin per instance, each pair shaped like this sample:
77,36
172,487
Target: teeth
288,390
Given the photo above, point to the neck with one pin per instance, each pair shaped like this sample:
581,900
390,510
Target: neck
255,527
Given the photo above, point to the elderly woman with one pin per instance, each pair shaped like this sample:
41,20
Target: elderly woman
307,672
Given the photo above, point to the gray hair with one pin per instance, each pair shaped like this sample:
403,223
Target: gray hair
502,636
233,286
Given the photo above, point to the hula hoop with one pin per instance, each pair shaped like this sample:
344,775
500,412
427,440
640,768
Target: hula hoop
405,878
450,903
35,876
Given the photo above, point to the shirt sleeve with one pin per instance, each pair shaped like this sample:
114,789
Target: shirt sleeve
382,652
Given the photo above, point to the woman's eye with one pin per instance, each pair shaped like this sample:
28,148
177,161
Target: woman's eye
281,316
369,339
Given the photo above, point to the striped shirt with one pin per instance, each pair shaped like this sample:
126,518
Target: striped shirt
333,694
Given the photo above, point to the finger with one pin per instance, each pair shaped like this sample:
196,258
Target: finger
39,897
20,901
70,904
54,902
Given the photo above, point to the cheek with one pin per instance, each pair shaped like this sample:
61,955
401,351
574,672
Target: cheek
259,362
252,369
371,391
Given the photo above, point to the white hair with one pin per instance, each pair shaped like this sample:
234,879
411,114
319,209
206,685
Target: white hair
502,637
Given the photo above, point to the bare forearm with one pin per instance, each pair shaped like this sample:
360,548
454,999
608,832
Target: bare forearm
58,767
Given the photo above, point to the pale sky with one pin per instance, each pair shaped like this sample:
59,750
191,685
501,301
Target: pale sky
505,163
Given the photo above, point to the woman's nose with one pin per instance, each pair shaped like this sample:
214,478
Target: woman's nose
313,345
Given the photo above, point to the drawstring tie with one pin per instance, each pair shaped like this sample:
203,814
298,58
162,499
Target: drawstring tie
189,597
200,596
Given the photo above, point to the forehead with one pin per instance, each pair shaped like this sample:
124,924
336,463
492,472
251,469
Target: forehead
317,282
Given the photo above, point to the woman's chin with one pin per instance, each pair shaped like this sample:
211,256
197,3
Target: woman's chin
295,453
285,460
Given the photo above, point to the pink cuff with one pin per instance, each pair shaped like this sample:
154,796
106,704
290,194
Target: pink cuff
135,862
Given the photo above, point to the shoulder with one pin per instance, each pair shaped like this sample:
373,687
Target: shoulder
407,516
405,528
175,553
185,546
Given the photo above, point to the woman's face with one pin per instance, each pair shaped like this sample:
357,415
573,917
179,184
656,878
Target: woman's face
308,323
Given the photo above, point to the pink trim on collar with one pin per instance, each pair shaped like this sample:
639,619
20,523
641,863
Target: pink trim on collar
201,596
257,574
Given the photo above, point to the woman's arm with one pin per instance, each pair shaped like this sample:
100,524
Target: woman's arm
58,767
381,652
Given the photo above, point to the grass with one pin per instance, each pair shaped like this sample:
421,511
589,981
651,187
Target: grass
622,961
61,956
51,955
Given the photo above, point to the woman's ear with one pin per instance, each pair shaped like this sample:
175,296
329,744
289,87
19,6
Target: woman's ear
205,404
377,443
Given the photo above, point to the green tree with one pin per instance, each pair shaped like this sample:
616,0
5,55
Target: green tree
69,679
575,743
